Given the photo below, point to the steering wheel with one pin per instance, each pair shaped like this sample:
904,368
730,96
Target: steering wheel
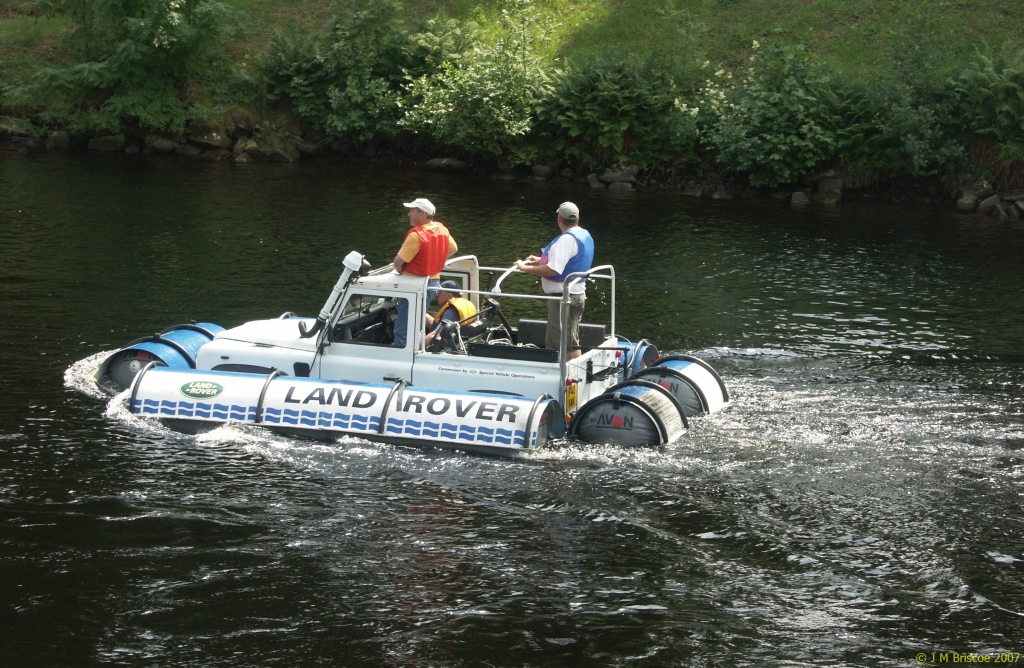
446,339
371,333
495,308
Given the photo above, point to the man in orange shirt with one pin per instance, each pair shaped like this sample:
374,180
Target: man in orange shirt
426,248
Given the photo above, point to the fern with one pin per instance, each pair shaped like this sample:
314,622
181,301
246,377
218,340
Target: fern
991,90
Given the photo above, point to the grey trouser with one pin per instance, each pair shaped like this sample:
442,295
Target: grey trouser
575,308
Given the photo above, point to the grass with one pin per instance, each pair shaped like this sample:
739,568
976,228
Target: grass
26,41
857,37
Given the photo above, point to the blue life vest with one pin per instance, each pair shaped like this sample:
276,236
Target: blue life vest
583,258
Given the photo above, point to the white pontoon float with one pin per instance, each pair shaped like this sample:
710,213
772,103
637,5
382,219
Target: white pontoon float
483,386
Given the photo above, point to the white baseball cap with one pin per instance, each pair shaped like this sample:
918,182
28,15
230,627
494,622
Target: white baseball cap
422,204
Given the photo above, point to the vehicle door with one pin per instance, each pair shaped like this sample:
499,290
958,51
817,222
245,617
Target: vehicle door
360,341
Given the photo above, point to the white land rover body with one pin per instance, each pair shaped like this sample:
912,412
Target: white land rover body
483,385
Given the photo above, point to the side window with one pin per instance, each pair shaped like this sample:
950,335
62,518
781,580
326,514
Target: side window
367,319
357,303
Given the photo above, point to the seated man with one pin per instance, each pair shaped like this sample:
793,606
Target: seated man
454,308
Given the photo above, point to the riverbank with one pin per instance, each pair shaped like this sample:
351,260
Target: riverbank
826,190
505,86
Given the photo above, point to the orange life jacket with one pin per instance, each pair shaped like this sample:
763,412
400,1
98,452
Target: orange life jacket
433,252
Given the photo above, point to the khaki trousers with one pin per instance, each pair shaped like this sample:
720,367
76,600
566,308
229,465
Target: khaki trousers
575,308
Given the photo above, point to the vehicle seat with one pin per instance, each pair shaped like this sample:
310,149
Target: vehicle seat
473,329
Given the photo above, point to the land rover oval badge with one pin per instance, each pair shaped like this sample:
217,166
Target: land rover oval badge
201,389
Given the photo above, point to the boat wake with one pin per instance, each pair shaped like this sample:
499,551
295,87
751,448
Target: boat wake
79,376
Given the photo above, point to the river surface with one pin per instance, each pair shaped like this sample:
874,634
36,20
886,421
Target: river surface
859,503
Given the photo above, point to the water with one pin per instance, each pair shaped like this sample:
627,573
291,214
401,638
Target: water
859,503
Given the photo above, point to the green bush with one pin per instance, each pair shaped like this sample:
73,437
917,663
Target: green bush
991,94
298,68
785,115
137,62
925,135
485,102
776,120
882,128
438,42
906,122
351,82
618,108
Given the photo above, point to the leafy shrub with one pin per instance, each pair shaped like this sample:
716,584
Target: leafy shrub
900,131
298,68
439,42
918,133
485,102
991,92
136,61
348,84
785,114
612,108
906,120
777,120
351,82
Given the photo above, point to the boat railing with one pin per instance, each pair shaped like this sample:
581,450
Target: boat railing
563,310
563,316
563,299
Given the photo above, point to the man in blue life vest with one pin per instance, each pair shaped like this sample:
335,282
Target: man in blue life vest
570,252
454,308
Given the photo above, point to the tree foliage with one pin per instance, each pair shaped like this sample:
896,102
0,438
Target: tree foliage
485,102
136,63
